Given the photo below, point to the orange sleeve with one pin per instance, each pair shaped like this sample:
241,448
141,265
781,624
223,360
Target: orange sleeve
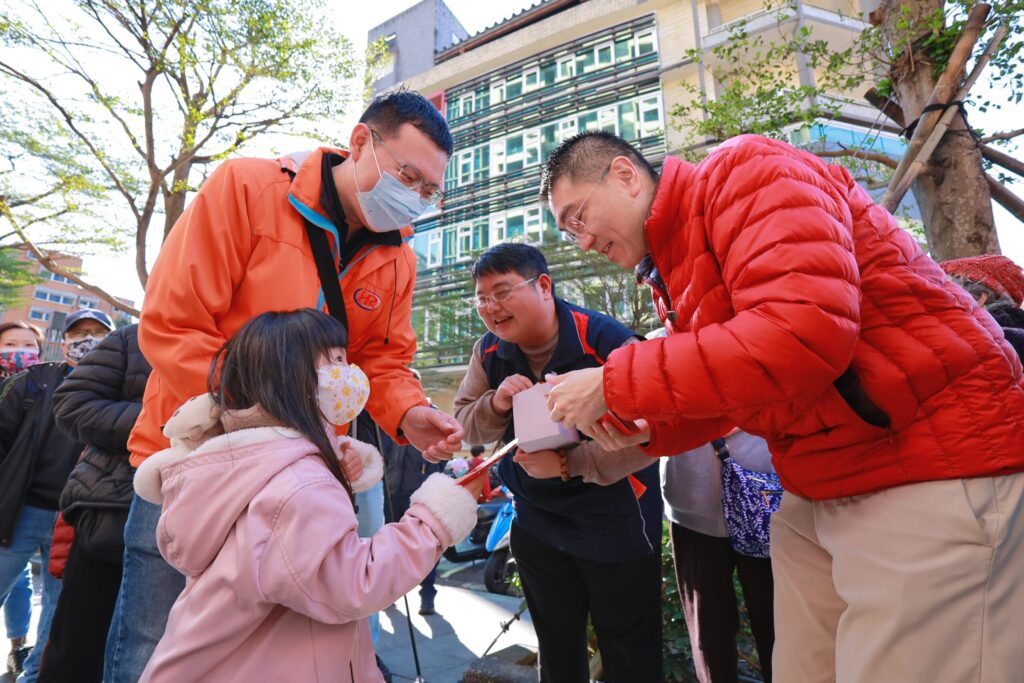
193,281
386,357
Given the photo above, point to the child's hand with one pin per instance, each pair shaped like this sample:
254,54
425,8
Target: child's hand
476,487
352,454
541,464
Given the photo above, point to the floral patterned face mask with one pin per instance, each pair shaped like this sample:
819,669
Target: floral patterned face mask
16,360
342,392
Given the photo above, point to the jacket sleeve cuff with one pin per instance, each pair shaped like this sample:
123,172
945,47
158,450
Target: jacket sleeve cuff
450,503
373,470
617,395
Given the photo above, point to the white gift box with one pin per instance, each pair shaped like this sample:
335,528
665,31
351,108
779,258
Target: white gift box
534,427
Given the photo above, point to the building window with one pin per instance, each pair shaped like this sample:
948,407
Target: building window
449,247
514,152
548,139
514,87
585,61
646,43
88,303
627,120
531,79
566,68
497,157
587,121
464,243
40,314
623,49
549,73
434,255
465,166
498,93
534,225
514,223
607,120
605,54
481,157
650,115
497,226
532,143
467,102
566,129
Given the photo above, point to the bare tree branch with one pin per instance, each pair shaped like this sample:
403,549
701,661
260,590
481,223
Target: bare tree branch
883,159
47,261
1009,135
70,121
1008,200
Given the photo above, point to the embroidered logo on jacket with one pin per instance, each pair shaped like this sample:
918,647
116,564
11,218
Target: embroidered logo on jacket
366,299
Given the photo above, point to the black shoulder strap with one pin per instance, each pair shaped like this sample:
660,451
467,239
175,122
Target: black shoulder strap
721,450
330,281
326,268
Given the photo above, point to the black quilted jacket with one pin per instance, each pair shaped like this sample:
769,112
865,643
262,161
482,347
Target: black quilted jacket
98,405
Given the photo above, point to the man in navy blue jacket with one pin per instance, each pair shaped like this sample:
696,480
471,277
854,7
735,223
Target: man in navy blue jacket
581,548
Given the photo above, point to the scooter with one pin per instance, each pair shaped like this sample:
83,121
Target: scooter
474,547
500,575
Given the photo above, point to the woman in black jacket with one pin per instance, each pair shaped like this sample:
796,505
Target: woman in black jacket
97,405
35,459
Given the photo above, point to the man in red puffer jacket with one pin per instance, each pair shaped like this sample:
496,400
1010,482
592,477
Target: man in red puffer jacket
894,408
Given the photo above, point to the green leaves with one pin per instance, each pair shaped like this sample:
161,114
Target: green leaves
140,91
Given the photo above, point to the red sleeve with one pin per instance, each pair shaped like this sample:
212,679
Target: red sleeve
779,229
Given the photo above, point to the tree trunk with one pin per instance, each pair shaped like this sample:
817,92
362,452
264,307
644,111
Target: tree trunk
952,193
174,203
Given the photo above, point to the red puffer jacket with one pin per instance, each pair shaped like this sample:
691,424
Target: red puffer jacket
60,548
800,311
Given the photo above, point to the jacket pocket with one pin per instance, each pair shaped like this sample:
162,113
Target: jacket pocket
850,390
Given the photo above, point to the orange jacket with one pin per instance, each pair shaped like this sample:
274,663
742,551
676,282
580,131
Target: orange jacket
240,249
798,310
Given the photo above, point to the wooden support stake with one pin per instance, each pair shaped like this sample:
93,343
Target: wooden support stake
895,192
942,93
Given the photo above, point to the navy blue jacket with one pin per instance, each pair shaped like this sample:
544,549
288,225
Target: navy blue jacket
596,523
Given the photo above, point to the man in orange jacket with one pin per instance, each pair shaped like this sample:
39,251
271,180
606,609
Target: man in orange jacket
798,310
243,247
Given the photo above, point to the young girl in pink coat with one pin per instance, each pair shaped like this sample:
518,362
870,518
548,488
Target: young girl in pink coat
258,515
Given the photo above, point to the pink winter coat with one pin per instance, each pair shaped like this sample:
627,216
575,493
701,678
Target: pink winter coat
279,584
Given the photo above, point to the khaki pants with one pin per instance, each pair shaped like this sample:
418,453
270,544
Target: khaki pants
919,583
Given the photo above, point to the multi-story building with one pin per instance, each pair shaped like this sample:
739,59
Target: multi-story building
517,89
47,303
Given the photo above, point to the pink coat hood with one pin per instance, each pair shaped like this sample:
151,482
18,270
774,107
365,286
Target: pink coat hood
279,584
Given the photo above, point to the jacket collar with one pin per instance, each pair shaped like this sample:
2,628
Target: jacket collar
666,217
568,351
307,186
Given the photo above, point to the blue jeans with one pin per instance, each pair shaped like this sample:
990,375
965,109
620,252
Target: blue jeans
18,606
371,520
149,587
33,531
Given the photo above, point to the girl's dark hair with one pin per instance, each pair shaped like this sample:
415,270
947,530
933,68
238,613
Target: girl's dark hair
272,361
21,325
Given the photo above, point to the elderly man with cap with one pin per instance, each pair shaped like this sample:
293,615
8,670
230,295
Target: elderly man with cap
35,461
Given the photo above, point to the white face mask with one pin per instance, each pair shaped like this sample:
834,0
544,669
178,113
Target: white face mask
342,392
388,205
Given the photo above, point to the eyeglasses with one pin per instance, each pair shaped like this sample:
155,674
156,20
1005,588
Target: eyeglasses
75,335
575,228
411,177
499,296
